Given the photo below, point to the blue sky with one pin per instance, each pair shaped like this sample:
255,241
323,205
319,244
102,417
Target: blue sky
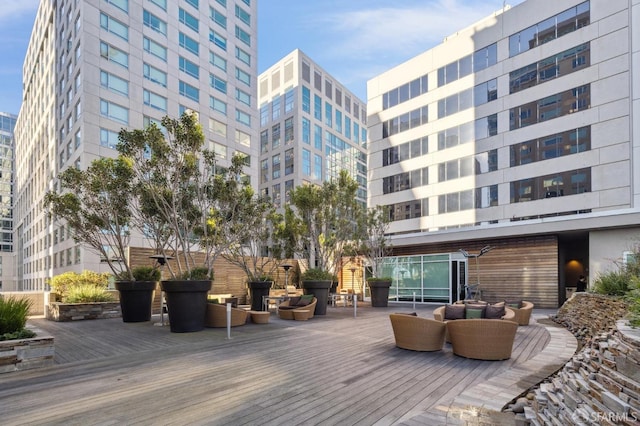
353,40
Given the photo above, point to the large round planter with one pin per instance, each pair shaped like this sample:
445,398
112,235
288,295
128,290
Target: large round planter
320,290
258,289
187,304
379,293
135,300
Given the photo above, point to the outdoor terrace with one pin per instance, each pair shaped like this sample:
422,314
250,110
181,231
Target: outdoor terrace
331,370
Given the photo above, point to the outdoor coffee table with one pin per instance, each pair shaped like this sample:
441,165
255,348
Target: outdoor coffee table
260,317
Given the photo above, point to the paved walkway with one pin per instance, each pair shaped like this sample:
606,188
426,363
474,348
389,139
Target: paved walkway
331,370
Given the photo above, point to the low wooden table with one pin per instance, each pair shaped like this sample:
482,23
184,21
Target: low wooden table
301,314
259,317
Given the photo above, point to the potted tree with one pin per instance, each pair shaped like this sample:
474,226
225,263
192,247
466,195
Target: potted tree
96,205
321,223
136,296
374,247
193,198
259,245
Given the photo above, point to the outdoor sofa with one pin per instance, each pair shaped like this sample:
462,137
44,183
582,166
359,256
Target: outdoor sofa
286,308
522,313
217,316
417,333
485,339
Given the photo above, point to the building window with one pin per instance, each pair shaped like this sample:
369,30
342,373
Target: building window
114,26
114,54
108,138
154,48
552,146
288,101
553,106
218,17
152,21
217,105
154,100
306,162
114,83
550,186
242,76
114,112
154,74
243,15
306,131
188,43
218,61
401,94
217,83
188,19
243,97
243,117
243,36
288,130
160,3
243,56
554,27
275,136
189,91
217,39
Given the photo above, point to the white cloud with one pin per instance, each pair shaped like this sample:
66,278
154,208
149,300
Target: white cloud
13,8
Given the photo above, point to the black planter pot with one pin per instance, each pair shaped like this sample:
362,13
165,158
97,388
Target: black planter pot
320,290
187,304
135,300
379,293
258,289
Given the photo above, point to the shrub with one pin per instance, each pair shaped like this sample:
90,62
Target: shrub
87,293
197,273
67,283
13,315
633,297
317,274
146,273
613,283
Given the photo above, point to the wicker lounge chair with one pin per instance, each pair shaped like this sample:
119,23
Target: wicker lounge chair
416,333
486,339
523,314
287,312
217,316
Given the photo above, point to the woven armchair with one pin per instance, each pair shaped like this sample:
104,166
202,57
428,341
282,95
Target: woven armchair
416,333
523,314
287,313
217,316
486,339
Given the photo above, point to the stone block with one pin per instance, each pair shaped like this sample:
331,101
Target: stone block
614,403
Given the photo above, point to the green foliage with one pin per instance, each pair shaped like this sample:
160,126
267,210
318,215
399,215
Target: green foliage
22,334
87,293
323,220
146,273
96,206
633,298
198,273
13,314
612,283
189,196
317,274
66,284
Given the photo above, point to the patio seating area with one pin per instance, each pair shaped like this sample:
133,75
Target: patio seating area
105,371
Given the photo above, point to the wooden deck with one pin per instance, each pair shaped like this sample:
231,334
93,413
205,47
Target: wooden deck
332,370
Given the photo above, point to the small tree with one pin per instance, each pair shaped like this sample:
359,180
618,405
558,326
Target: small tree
259,244
323,220
373,242
95,204
190,196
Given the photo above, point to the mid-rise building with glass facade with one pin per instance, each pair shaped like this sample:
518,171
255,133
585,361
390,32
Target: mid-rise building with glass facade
7,125
311,128
95,66
515,133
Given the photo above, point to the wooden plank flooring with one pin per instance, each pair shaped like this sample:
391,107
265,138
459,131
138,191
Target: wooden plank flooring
332,370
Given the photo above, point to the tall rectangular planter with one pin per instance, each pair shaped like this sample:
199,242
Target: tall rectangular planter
57,311
25,354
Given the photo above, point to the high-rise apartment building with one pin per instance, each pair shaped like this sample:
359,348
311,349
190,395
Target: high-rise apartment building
96,66
7,124
311,128
517,133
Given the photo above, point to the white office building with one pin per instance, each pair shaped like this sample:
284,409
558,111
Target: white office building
95,66
515,133
7,124
311,128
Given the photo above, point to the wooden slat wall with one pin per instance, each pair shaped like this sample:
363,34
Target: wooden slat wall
518,268
228,278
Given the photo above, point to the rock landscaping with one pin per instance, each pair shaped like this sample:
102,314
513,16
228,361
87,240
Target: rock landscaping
601,383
